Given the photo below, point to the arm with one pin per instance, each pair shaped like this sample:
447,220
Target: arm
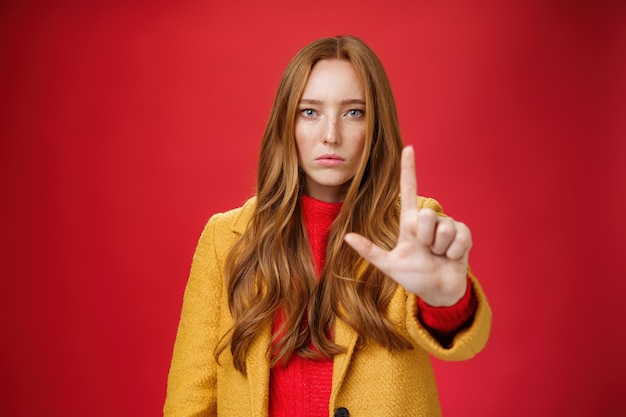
430,261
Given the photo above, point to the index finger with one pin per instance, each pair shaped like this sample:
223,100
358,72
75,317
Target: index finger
408,182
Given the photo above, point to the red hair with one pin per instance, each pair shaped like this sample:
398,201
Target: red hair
270,266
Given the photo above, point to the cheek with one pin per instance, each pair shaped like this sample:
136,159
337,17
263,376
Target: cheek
302,147
306,137
298,135
359,142
301,134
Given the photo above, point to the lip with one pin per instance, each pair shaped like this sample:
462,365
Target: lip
330,159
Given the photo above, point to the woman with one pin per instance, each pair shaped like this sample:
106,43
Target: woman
325,294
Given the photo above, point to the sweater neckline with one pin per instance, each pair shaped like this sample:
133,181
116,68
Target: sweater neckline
316,207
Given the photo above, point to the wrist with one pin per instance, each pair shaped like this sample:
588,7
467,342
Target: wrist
446,297
451,318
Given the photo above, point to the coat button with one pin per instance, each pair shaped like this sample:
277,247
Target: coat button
342,412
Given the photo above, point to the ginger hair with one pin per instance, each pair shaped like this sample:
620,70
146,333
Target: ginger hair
270,270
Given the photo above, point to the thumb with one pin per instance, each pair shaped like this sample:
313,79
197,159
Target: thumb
367,249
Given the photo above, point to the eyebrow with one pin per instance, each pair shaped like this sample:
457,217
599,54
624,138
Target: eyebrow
343,102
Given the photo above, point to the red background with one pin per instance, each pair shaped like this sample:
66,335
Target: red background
124,127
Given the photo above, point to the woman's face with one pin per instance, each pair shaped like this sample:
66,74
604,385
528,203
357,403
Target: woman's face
330,129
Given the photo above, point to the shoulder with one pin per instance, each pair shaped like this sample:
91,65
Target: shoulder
234,220
223,229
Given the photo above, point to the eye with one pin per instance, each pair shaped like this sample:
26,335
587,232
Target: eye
355,113
307,112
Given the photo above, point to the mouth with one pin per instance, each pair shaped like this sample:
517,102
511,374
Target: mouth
330,159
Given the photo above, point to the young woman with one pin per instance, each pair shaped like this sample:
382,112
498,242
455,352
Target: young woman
325,294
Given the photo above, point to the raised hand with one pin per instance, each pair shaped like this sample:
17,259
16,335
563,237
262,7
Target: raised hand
430,258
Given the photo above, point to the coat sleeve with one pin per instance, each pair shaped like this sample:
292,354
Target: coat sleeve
192,380
468,341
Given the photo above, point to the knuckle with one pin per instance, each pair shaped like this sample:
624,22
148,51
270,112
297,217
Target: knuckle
464,236
445,229
428,213
464,239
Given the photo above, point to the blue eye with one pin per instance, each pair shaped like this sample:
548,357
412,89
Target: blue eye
355,113
308,112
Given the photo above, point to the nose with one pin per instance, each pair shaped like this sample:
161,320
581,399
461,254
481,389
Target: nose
331,133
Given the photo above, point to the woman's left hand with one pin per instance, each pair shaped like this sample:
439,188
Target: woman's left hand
430,258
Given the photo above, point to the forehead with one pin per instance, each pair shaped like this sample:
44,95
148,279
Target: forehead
333,78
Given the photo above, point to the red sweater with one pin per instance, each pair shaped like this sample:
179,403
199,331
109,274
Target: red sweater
304,385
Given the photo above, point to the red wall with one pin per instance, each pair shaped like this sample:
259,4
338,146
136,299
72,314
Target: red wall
123,128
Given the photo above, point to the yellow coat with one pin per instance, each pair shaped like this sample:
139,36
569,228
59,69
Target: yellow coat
370,382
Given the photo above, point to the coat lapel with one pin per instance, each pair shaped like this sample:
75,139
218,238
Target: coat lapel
258,373
344,336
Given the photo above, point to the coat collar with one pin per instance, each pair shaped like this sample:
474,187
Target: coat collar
241,220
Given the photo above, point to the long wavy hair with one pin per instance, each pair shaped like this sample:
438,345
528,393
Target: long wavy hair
269,270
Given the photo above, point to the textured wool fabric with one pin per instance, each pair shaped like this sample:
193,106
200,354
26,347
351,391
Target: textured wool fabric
370,381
